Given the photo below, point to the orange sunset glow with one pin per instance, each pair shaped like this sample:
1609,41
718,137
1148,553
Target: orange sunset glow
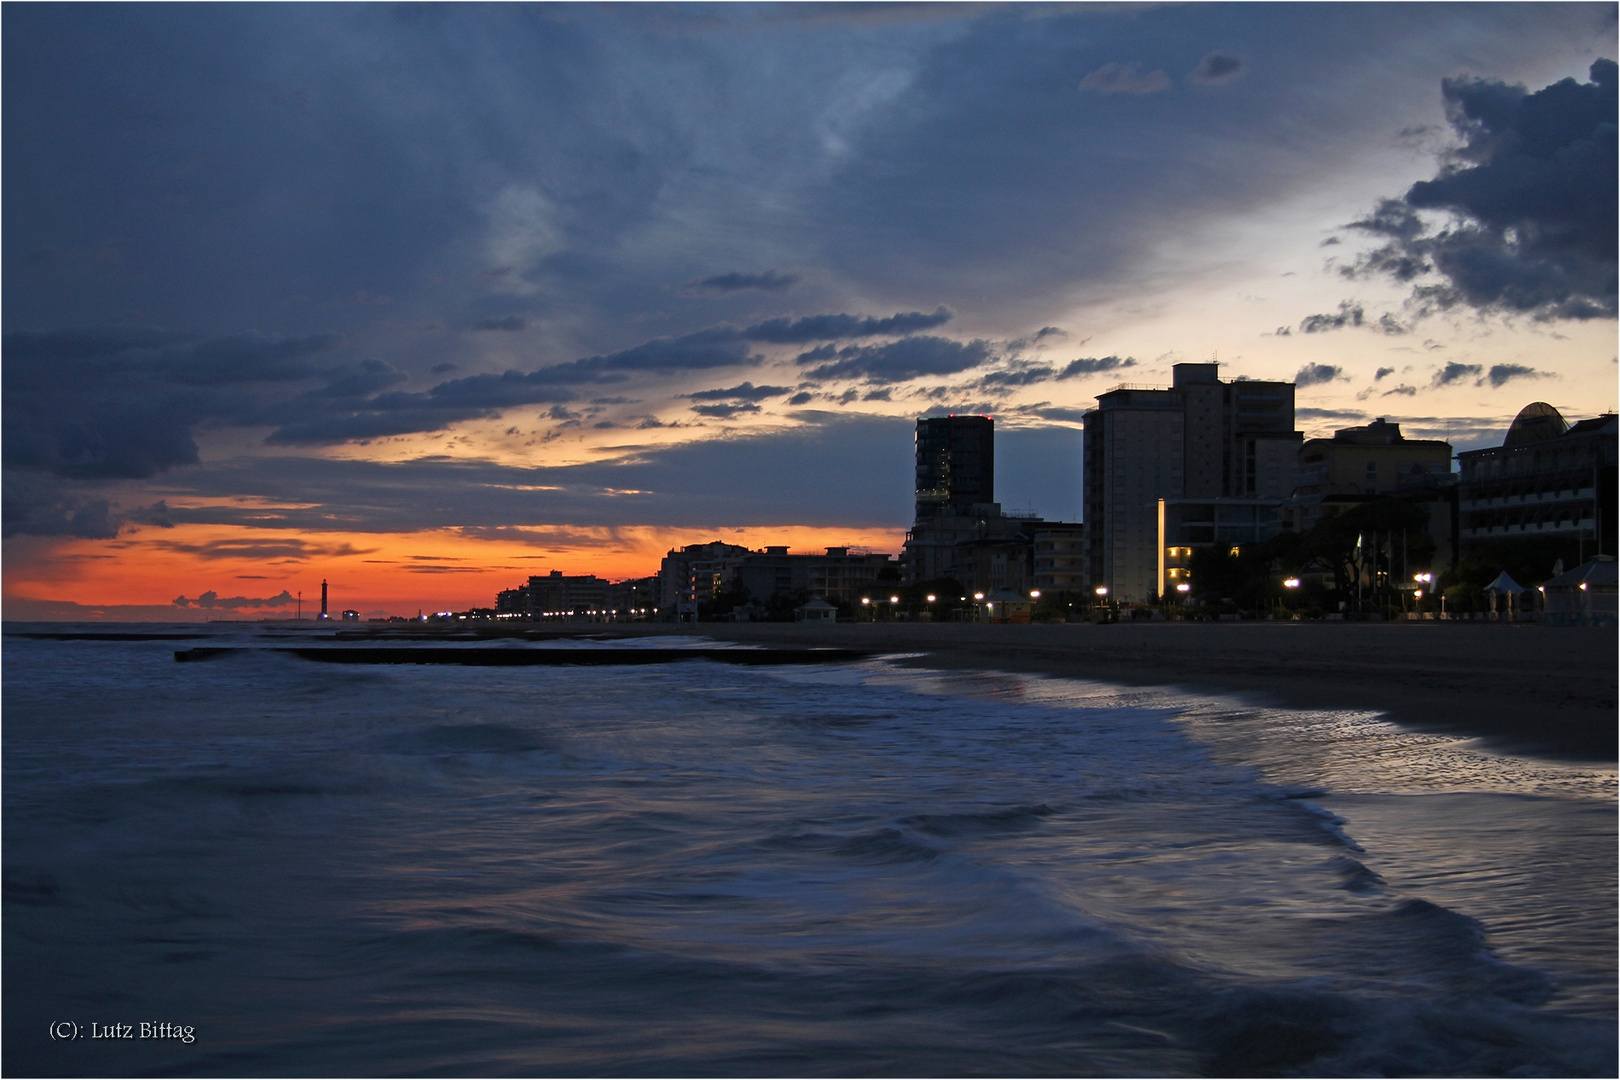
145,570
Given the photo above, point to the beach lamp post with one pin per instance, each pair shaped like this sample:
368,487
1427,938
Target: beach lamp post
1184,589
866,607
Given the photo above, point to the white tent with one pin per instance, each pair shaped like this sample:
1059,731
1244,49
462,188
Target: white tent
1503,584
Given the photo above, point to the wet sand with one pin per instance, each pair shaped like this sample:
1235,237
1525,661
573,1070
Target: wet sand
1527,688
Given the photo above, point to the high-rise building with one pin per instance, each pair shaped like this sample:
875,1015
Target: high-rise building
956,465
1204,451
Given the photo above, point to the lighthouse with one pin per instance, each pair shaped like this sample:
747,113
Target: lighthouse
323,599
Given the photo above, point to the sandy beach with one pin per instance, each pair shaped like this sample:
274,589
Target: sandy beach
1530,688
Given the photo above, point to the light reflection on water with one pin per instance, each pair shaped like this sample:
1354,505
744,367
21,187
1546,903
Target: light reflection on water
797,870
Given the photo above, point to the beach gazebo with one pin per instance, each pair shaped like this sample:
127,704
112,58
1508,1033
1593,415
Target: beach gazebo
816,611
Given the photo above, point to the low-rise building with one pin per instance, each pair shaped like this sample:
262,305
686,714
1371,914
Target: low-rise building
1548,478
696,573
1185,525
1059,555
1360,464
841,575
992,550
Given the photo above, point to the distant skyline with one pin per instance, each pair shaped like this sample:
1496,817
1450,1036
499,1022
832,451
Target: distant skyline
426,299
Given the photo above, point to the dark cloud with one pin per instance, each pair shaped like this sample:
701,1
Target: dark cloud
769,281
1029,374
1382,372
34,504
1349,314
1503,373
122,403
832,469
1401,391
360,380
1090,365
1328,414
211,600
1116,78
785,331
725,411
803,397
509,324
741,392
1218,68
1388,324
1018,375
1316,374
1533,195
477,396
1456,372
908,358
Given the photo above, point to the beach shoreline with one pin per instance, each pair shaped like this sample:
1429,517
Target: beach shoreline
1524,688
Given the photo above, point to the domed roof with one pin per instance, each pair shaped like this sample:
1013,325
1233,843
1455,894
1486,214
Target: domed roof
1536,422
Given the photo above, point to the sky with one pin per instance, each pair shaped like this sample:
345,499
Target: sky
423,299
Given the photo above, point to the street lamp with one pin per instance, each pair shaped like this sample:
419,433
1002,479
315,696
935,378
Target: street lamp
1034,594
1102,590
932,598
1291,583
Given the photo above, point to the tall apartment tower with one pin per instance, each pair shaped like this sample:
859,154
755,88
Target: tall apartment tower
956,465
1229,447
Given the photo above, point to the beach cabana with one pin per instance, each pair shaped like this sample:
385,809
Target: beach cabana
816,611
1584,596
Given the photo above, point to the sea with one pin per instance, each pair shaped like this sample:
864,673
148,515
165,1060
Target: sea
266,866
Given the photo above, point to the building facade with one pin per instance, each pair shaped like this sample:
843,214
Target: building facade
1546,479
956,465
695,573
1059,556
842,575
1362,463
1201,439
